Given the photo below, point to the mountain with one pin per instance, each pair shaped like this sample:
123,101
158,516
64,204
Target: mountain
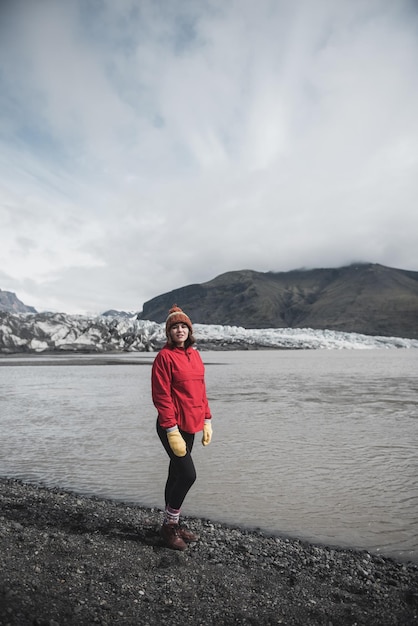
363,298
10,302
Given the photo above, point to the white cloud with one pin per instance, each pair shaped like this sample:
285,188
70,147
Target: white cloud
145,146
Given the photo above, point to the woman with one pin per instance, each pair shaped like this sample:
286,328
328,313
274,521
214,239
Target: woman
179,395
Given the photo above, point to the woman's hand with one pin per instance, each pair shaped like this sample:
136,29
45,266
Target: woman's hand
207,433
176,442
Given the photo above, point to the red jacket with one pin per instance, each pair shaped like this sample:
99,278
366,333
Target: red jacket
178,389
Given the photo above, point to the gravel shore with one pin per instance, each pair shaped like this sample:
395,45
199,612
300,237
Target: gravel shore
69,559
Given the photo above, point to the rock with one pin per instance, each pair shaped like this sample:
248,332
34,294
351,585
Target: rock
110,567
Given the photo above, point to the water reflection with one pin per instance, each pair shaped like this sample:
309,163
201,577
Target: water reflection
318,444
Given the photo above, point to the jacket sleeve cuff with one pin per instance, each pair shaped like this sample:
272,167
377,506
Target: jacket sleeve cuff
170,430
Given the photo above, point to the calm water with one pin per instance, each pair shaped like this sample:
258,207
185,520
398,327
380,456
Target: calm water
320,445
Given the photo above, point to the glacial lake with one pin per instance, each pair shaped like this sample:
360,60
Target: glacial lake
316,444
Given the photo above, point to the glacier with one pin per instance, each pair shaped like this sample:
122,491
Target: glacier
60,332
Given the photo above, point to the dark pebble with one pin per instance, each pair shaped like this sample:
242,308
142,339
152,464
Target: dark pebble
68,559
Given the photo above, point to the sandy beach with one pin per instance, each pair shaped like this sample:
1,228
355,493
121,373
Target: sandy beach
69,559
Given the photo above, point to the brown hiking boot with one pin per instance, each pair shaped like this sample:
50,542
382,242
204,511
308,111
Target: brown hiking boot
172,537
187,535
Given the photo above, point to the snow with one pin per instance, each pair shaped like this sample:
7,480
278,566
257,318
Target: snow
60,332
37,346
307,338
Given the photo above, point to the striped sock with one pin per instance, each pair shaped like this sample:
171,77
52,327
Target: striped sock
171,516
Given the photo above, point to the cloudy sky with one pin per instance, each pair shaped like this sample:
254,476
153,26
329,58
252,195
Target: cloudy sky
149,144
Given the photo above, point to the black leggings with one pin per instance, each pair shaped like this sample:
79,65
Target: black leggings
181,471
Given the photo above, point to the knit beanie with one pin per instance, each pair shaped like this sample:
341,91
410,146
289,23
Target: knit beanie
176,316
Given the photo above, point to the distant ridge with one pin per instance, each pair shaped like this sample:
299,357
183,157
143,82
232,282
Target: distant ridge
10,303
364,298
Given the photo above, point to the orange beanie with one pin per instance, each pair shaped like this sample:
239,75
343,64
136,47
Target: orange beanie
176,316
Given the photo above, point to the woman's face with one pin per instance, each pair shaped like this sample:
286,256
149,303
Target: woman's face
179,333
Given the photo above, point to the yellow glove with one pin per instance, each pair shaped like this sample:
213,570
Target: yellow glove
207,433
176,442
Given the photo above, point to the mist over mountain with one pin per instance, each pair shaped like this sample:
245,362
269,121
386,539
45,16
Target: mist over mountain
365,298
